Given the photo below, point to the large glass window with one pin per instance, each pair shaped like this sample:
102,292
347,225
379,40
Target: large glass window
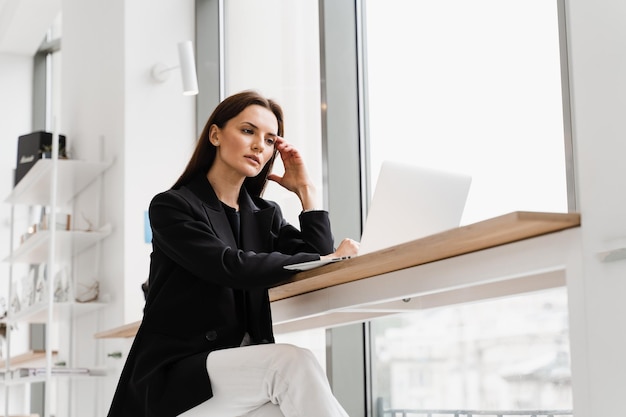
273,47
471,87
507,355
474,87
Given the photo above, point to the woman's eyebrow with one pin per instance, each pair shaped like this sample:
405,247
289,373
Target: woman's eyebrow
256,127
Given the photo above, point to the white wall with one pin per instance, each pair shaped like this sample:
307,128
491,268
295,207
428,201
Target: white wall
15,111
159,129
112,110
597,46
16,72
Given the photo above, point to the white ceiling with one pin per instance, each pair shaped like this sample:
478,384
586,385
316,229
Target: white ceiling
24,23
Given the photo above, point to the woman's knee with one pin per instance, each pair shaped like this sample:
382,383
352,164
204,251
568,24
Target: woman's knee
291,355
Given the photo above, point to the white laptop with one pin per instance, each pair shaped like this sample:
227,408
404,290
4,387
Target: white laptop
409,202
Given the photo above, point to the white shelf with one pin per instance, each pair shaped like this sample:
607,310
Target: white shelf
51,183
26,357
68,244
72,177
38,313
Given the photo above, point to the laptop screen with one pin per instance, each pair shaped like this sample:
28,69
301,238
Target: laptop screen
411,202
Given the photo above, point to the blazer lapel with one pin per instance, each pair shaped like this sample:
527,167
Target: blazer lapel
256,224
201,187
221,226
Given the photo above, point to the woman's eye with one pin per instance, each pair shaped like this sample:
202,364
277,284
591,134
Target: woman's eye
270,141
247,131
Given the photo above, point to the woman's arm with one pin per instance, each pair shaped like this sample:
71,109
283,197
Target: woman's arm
296,179
183,233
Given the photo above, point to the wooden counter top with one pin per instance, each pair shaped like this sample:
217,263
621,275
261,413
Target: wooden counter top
466,239
486,234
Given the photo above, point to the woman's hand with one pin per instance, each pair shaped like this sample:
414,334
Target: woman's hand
347,247
296,178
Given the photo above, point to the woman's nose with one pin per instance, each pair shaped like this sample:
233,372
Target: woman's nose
257,144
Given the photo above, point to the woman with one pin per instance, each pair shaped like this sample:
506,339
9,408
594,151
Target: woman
205,346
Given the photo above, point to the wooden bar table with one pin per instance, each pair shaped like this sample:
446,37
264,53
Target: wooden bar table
381,282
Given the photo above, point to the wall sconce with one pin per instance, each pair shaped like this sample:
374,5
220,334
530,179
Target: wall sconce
161,72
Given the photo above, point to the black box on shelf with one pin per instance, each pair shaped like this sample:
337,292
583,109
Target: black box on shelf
31,148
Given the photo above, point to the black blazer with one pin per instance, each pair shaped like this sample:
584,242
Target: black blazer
205,292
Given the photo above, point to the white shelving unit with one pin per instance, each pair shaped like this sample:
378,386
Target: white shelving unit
75,175
50,183
38,313
35,250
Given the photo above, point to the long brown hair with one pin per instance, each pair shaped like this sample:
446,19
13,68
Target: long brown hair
204,154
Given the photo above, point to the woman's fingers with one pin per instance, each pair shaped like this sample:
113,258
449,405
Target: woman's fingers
348,247
288,153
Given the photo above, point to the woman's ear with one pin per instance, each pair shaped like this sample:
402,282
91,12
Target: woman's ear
213,138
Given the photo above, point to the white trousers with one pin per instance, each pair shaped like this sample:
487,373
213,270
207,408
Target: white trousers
272,380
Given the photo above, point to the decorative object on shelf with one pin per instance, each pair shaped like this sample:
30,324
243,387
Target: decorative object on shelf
63,222
61,286
41,284
32,147
29,233
15,304
3,338
3,308
28,287
89,223
161,72
88,292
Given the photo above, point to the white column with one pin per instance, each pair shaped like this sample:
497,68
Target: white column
597,53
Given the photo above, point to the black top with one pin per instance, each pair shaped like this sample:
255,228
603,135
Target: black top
242,298
200,278
235,222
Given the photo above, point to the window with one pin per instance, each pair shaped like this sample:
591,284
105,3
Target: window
473,87
469,87
467,357
273,47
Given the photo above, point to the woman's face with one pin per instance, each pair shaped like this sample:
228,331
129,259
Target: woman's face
246,143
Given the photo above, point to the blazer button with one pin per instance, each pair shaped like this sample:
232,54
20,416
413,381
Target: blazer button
211,335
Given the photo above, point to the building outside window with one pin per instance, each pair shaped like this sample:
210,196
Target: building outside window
504,354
